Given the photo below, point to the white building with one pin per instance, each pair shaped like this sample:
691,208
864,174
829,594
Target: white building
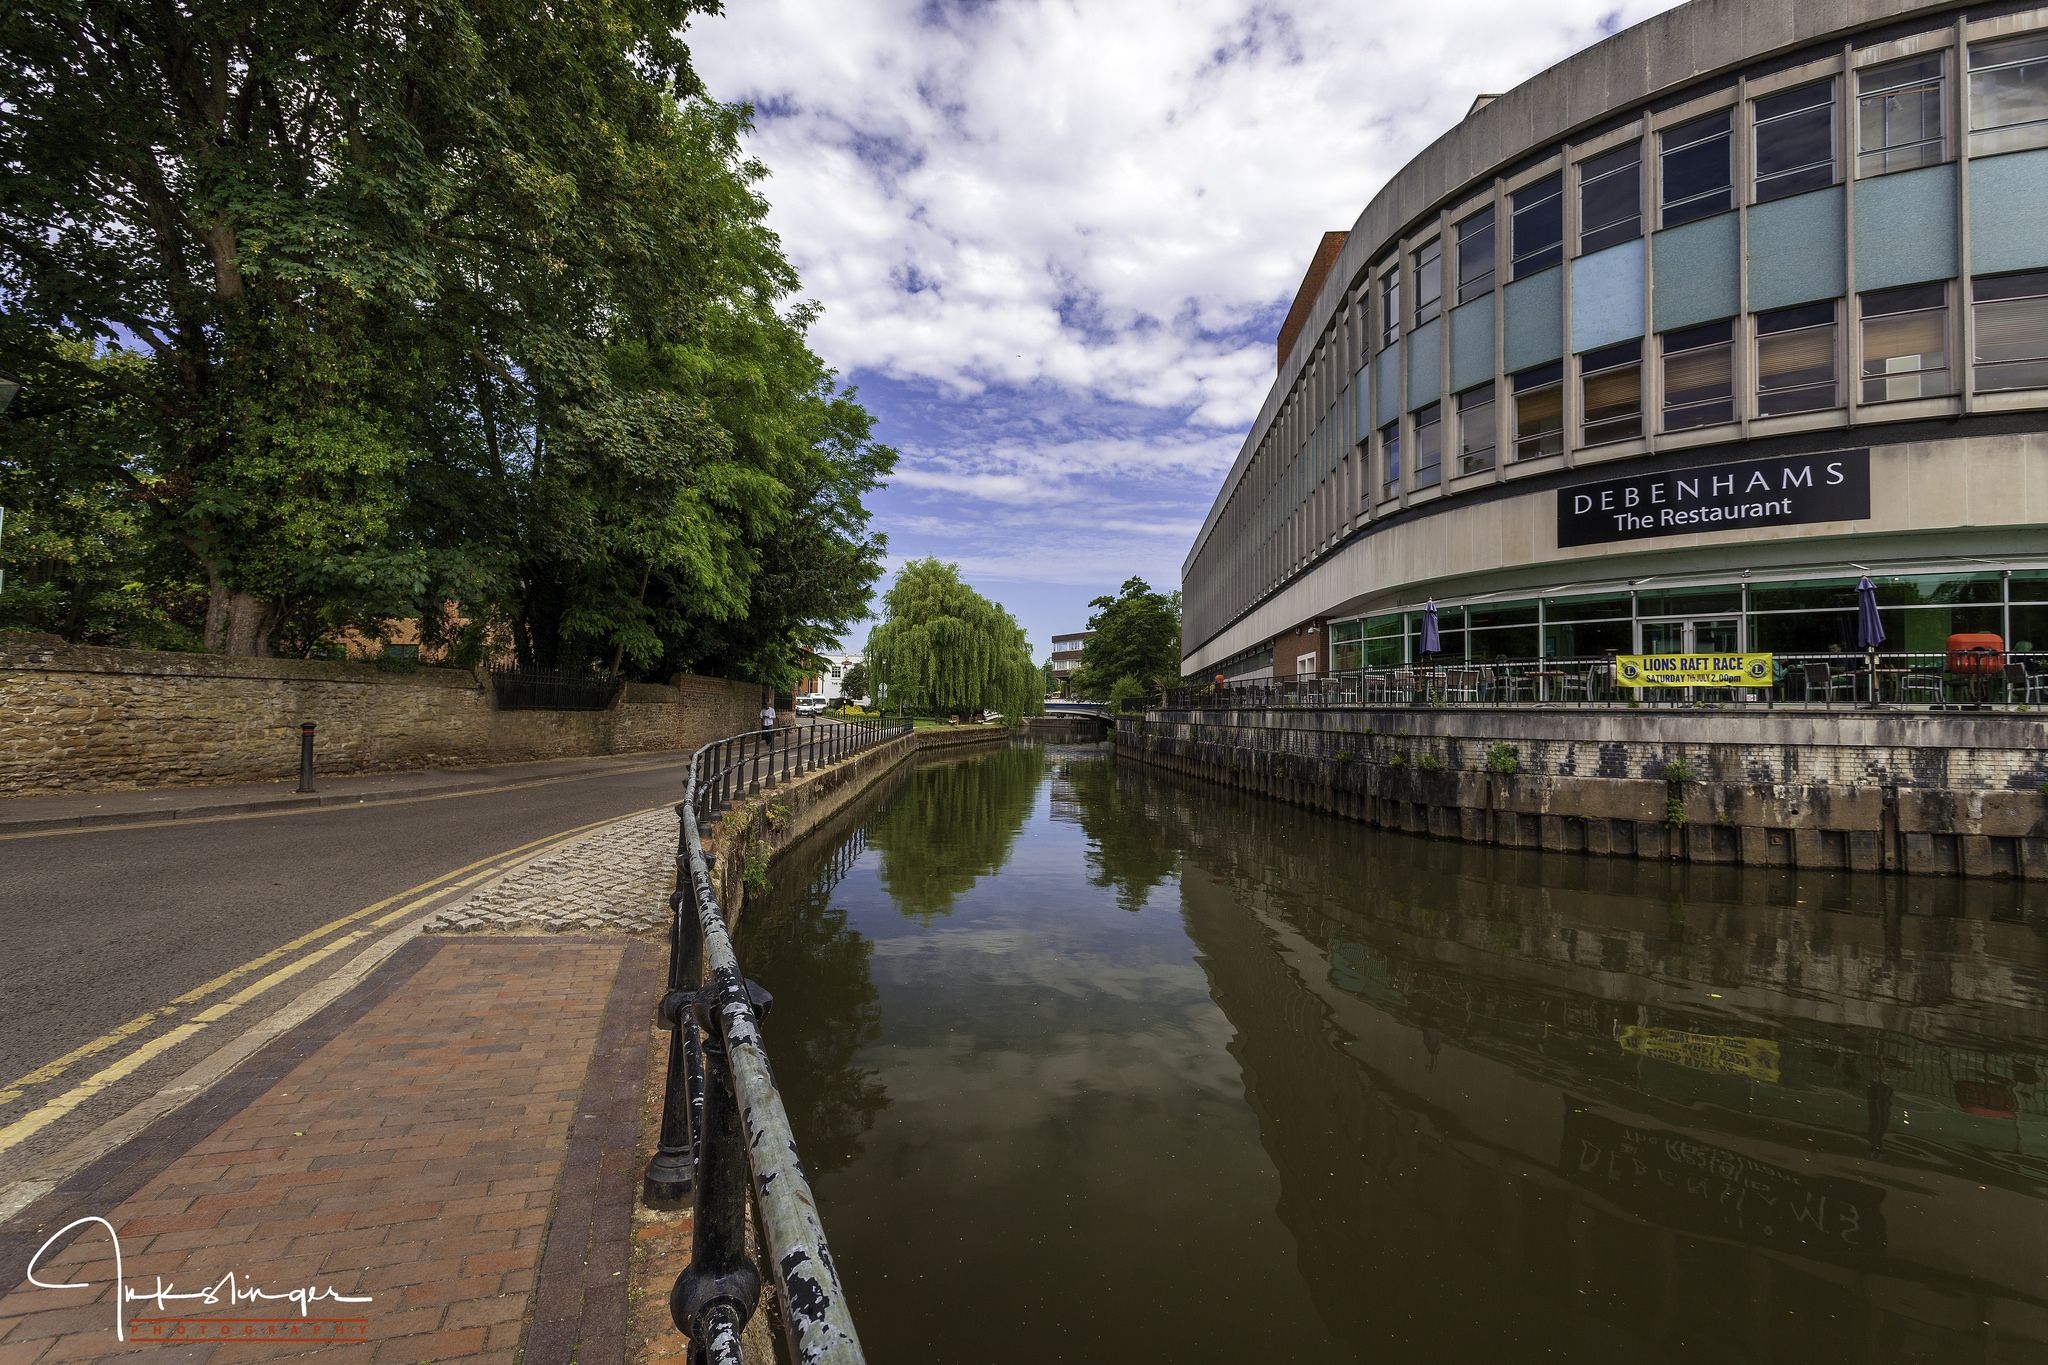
829,683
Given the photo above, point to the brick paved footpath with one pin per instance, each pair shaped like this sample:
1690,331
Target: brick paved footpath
454,1138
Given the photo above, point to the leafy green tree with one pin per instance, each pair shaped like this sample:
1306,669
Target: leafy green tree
1052,681
1135,647
944,648
470,303
854,685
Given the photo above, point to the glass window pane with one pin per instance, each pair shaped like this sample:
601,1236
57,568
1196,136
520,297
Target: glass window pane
1538,226
1795,140
1475,430
1497,615
1390,456
1818,594
1796,360
1475,256
1429,282
1539,413
2012,331
1390,307
1905,344
1429,446
1610,198
1699,377
2009,94
1696,169
1688,601
1899,117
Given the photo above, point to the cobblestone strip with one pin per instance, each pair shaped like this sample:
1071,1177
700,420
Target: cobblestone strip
614,880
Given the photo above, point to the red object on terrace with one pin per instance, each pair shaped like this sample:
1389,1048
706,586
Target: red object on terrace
1981,652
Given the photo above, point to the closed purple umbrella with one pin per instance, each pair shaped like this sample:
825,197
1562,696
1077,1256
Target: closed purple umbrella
1869,629
1432,638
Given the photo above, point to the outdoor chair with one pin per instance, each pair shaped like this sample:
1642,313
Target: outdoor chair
2030,684
1461,684
1819,681
1404,684
1513,686
1921,686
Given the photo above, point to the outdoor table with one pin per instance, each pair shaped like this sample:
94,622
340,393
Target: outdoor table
1543,677
1888,682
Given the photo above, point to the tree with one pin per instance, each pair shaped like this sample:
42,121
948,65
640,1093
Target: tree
1135,649
854,685
944,648
1052,679
469,303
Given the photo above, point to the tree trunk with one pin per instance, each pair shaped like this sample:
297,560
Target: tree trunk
237,622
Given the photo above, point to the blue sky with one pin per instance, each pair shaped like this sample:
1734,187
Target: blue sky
1054,239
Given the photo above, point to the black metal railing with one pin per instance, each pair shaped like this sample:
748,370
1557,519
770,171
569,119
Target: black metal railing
723,1126
1946,680
542,689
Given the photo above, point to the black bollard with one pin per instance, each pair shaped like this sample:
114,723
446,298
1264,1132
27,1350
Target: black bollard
306,756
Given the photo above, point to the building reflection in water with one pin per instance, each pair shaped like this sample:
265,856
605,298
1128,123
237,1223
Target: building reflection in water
1495,1103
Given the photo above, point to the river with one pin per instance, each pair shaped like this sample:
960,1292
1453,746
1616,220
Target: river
1094,1063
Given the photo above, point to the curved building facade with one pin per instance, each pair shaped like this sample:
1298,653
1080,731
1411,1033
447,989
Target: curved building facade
1663,350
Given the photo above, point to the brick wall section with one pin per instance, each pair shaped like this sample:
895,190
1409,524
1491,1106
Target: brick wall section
78,718
1959,796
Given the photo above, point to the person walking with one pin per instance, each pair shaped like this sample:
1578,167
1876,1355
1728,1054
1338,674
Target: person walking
767,716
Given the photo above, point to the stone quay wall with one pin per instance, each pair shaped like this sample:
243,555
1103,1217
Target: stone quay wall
79,718
1957,795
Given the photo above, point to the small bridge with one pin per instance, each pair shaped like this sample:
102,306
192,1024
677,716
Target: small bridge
1071,721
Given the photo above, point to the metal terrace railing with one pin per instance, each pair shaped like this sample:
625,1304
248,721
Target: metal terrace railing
1975,680
723,1127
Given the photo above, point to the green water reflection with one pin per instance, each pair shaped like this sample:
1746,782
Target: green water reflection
1092,1063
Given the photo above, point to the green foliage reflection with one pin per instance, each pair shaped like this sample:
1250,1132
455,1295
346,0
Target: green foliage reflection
1128,849
953,824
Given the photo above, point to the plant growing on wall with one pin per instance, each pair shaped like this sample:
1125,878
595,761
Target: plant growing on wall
1505,759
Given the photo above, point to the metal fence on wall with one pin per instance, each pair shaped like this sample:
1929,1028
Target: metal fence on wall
1973,680
723,1128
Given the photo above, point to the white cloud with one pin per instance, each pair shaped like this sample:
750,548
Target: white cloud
1086,193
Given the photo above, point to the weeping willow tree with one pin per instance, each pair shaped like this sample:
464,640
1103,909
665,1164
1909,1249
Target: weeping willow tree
944,648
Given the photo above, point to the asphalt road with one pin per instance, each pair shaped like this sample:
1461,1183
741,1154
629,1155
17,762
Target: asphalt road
98,925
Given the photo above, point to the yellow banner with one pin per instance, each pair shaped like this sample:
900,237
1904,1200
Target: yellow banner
1693,670
1756,1058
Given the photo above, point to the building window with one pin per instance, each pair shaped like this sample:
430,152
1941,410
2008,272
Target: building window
2009,95
1905,343
1475,256
1390,307
1538,226
1429,282
406,653
1611,390
1699,376
2012,331
1697,170
1475,430
1610,198
1429,446
1390,458
1539,412
1796,365
1795,140
1898,115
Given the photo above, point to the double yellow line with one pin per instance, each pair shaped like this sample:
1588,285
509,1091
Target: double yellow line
414,898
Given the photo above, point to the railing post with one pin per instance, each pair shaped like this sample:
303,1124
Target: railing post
720,1287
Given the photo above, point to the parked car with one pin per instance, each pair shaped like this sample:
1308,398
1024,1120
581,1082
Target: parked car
812,705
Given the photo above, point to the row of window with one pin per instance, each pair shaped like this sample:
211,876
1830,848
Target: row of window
1795,367
1900,125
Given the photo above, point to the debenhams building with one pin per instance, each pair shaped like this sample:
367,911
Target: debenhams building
1664,350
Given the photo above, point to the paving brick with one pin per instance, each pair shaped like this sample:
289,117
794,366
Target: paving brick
428,1189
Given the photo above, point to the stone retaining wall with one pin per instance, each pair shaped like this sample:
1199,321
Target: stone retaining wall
78,718
1954,795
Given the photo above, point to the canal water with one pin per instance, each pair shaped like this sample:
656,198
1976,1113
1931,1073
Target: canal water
1095,1063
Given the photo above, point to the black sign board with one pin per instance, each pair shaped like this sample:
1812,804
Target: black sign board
1784,491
